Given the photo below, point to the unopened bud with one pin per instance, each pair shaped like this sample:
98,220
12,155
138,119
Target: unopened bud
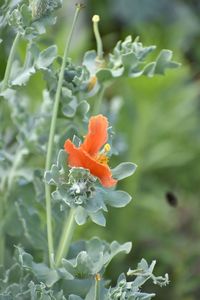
95,18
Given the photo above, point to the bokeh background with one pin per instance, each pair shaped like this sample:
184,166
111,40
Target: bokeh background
157,126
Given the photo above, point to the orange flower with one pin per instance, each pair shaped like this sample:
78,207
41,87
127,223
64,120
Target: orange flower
88,154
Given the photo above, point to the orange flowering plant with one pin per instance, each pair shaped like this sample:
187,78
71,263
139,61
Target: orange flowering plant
88,155
90,186
41,202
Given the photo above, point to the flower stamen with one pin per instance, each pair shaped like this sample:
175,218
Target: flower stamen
102,157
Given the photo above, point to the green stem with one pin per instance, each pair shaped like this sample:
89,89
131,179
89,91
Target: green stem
2,238
97,287
66,237
10,61
98,102
96,20
51,138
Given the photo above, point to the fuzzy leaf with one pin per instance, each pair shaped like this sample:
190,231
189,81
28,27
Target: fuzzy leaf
46,57
163,61
98,218
23,77
31,222
124,170
82,109
117,198
81,215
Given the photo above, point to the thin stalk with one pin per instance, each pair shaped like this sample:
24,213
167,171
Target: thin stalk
10,61
66,236
51,138
2,238
98,102
95,21
97,287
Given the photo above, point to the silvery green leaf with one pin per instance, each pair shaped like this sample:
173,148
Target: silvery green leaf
148,70
123,170
76,141
98,218
57,175
20,18
74,297
23,76
52,176
117,198
62,160
129,60
69,108
39,184
89,61
80,215
94,204
163,61
40,270
82,109
46,275
116,248
94,246
94,257
42,8
67,93
25,15
104,75
144,265
46,57
32,225
145,272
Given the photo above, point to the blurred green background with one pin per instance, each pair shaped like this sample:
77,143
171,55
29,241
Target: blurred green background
157,127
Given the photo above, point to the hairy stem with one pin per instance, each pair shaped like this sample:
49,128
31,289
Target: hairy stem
10,61
51,138
66,237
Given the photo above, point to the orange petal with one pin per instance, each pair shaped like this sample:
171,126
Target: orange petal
79,158
97,135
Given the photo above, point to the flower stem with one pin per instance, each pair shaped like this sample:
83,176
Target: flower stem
2,238
98,102
66,237
9,63
97,287
51,137
95,21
